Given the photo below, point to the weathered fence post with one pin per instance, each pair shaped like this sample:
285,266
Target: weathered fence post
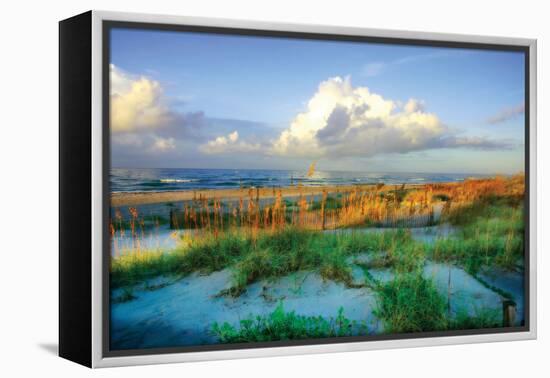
172,219
508,313
323,202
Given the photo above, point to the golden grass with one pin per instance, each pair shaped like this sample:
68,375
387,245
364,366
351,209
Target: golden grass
373,205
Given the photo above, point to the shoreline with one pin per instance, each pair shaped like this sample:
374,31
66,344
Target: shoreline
143,198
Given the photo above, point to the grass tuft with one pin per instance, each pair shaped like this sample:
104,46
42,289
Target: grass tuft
281,325
492,233
411,303
267,254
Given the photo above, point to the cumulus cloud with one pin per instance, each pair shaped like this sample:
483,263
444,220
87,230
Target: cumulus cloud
342,120
507,114
136,102
163,144
229,144
148,143
144,120
414,105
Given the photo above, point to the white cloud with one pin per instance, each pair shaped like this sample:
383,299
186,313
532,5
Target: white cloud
144,121
234,136
136,103
141,143
228,144
163,144
342,120
414,105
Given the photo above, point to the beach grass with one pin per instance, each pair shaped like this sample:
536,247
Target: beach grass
490,233
265,254
411,303
282,325
327,235
274,241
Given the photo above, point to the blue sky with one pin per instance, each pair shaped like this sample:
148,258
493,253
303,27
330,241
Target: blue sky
259,86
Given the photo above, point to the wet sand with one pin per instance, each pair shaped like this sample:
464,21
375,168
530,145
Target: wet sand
141,198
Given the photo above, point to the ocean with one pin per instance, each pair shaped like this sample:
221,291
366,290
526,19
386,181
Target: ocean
172,179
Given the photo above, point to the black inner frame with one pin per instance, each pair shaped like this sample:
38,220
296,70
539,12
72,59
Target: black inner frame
108,25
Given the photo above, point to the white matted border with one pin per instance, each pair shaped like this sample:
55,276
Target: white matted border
98,360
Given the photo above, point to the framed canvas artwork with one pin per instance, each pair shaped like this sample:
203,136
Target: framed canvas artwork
234,189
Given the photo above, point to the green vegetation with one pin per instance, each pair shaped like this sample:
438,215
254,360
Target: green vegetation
204,255
411,303
281,325
126,295
268,254
441,197
397,194
262,241
492,232
486,318
278,254
331,203
147,222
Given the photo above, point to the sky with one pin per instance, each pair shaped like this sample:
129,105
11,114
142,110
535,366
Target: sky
197,100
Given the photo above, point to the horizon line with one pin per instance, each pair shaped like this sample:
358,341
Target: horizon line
331,170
